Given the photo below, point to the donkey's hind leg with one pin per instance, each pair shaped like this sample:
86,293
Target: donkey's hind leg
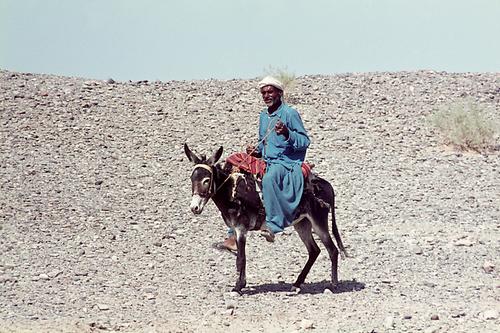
304,230
320,227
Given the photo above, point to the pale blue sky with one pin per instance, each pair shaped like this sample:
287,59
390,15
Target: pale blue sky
225,39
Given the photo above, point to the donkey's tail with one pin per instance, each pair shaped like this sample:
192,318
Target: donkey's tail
335,229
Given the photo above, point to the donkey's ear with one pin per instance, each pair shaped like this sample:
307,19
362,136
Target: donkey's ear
190,155
215,157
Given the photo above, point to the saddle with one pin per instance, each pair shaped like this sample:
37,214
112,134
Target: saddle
257,166
248,190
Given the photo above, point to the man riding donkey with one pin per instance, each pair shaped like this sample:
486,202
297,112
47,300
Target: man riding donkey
283,142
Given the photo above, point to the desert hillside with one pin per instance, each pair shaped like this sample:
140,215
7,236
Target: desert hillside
96,232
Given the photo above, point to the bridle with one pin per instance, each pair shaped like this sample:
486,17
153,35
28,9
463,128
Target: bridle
212,189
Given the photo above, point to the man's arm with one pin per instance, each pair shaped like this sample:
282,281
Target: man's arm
297,134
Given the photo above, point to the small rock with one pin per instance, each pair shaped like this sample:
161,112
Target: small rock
490,315
6,278
210,312
306,324
99,326
55,273
389,322
149,296
458,314
327,291
157,244
434,317
43,276
103,307
463,242
417,249
488,267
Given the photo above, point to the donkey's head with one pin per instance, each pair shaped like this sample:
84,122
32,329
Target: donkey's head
202,178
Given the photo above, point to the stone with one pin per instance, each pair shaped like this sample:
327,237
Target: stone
464,242
230,305
55,273
488,266
6,278
434,317
103,307
210,312
490,314
389,322
44,276
306,324
417,249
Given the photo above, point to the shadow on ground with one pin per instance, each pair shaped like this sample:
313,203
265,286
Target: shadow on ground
307,288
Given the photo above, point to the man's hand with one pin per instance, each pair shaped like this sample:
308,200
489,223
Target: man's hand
281,129
252,151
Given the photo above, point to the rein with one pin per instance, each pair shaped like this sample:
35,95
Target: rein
212,189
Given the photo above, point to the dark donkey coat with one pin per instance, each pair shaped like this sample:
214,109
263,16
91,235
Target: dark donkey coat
236,197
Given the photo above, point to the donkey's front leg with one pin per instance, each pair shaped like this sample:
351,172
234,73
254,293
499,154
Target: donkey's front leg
241,260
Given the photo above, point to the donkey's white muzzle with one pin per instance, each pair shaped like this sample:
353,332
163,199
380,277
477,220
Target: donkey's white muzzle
197,203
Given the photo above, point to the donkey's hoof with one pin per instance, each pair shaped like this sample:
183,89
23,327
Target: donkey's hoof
236,291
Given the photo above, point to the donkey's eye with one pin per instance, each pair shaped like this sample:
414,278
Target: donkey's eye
206,182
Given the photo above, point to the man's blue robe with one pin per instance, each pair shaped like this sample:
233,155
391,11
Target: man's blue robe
283,182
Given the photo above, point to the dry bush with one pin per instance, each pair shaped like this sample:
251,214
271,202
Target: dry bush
282,74
286,77
466,125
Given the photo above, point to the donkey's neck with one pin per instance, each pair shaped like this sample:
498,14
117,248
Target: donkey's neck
222,195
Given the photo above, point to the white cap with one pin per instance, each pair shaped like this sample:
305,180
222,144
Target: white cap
271,81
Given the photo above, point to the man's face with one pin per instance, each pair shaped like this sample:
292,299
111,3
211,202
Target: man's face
270,95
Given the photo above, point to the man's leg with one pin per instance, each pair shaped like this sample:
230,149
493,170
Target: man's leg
230,242
282,189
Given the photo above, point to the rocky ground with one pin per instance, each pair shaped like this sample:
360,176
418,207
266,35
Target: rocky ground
96,232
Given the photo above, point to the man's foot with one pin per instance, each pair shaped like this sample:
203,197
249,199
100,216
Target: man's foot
267,233
230,243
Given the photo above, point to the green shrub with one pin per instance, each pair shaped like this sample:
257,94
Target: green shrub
466,125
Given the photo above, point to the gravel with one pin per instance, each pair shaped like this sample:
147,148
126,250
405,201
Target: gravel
96,232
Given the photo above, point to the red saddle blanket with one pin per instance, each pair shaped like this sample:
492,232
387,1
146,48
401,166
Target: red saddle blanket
257,166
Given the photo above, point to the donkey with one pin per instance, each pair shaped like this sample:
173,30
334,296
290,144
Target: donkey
236,197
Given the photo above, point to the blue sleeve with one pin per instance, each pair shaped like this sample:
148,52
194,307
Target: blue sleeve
262,130
298,138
